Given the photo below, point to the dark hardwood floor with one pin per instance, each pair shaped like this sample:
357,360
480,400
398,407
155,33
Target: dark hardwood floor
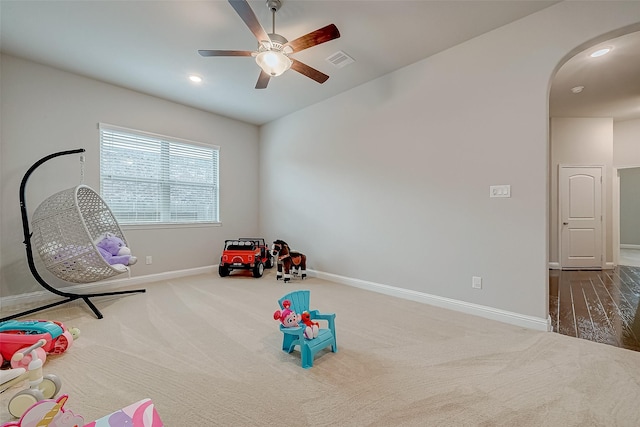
598,306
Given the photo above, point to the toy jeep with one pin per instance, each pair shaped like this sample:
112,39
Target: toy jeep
265,251
245,254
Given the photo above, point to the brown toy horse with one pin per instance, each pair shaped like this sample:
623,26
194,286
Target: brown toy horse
294,262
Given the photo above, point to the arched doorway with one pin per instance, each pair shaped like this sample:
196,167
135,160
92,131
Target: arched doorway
591,97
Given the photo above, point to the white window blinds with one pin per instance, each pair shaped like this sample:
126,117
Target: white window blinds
154,179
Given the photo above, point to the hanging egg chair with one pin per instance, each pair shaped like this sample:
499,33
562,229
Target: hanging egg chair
66,226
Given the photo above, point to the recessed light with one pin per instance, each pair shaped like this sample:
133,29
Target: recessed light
600,52
577,89
195,79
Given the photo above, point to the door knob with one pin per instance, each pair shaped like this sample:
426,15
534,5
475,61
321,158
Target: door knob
565,223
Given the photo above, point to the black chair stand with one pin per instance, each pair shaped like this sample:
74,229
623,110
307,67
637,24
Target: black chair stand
68,296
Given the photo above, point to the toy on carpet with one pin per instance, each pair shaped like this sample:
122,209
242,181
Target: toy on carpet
51,413
290,319
75,333
246,253
114,250
139,414
40,386
293,262
20,334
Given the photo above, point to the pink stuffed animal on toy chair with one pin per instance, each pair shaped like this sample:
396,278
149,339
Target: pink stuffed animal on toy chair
290,319
114,250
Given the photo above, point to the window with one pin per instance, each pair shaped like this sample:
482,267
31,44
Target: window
154,179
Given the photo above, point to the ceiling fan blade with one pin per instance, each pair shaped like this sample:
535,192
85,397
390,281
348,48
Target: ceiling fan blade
308,71
208,52
243,9
314,38
263,80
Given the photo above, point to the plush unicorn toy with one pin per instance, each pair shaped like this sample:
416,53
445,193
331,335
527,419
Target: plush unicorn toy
114,250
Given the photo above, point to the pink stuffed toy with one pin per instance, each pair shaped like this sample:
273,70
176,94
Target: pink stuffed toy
290,319
114,251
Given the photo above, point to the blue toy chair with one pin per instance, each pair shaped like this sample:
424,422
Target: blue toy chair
295,336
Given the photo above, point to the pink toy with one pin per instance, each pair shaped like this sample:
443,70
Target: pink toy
51,413
287,317
290,319
114,250
19,334
40,386
139,414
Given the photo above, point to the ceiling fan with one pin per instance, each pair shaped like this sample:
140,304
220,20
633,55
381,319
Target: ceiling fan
273,53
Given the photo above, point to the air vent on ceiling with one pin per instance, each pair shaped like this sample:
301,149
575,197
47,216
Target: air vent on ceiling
340,59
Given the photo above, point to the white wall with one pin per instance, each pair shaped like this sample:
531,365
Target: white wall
389,182
626,140
585,142
45,110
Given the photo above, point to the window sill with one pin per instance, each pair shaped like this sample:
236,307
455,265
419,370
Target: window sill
170,226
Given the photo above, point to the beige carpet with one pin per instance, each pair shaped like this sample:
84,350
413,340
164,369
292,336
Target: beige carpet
206,350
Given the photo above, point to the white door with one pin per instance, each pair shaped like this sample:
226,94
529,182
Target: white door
580,216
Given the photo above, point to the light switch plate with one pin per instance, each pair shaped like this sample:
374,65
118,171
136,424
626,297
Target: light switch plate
500,191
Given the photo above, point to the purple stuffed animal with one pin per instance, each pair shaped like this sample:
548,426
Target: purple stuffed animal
114,251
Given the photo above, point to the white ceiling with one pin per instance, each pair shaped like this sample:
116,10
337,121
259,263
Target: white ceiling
611,82
151,47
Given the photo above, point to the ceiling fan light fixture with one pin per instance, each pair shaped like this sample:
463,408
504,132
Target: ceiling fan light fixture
273,62
272,54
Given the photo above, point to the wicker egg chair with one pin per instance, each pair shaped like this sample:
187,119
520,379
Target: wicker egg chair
65,227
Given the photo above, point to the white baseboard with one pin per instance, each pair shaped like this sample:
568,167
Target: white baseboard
629,246
512,318
537,323
556,266
42,297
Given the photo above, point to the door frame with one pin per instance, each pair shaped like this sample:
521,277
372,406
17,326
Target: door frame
603,212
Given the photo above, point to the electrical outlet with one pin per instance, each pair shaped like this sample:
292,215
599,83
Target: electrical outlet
476,282
149,260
